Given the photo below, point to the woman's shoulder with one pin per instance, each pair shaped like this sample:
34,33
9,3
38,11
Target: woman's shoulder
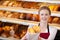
52,28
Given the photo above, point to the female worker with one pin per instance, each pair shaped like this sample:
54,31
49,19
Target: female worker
44,31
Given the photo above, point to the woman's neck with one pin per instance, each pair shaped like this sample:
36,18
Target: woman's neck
43,24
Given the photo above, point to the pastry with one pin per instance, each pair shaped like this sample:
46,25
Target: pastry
27,5
29,16
7,13
15,15
5,3
59,21
56,8
50,19
31,30
36,29
11,3
55,20
20,4
35,17
51,7
6,28
22,16
1,13
15,4
1,2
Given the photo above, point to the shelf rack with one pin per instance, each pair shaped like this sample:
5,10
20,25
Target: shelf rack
25,10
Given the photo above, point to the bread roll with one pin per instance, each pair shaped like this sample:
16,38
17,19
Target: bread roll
55,20
26,5
1,13
35,17
6,28
7,13
56,8
1,2
35,5
11,3
15,15
29,16
22,16
50,19
20,4
31,30
15,4
36,29
51,7
6,3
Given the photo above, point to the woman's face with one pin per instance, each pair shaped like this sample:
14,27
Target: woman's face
44,15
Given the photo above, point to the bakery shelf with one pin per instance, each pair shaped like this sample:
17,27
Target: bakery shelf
55,13
19,9
48,1
25,10
26,22
18,21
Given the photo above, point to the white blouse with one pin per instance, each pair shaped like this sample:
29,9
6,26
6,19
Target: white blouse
34,36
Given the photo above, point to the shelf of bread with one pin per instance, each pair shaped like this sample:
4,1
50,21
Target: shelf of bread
55,13
26,7
26,22
25,10
18,9
18,21
12,30
24,17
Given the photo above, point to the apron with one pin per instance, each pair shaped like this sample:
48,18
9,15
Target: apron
45,35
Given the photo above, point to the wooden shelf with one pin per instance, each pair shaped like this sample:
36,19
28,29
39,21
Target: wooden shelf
26,22
55,14
25,10
19,9
19,21
48,1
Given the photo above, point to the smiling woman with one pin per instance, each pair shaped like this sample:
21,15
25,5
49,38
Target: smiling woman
46,32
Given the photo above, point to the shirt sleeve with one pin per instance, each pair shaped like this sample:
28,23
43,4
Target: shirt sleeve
53,32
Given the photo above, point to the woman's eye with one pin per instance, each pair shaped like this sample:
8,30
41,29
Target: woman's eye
46,14
42,14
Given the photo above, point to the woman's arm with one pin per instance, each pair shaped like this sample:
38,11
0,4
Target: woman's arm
26,36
